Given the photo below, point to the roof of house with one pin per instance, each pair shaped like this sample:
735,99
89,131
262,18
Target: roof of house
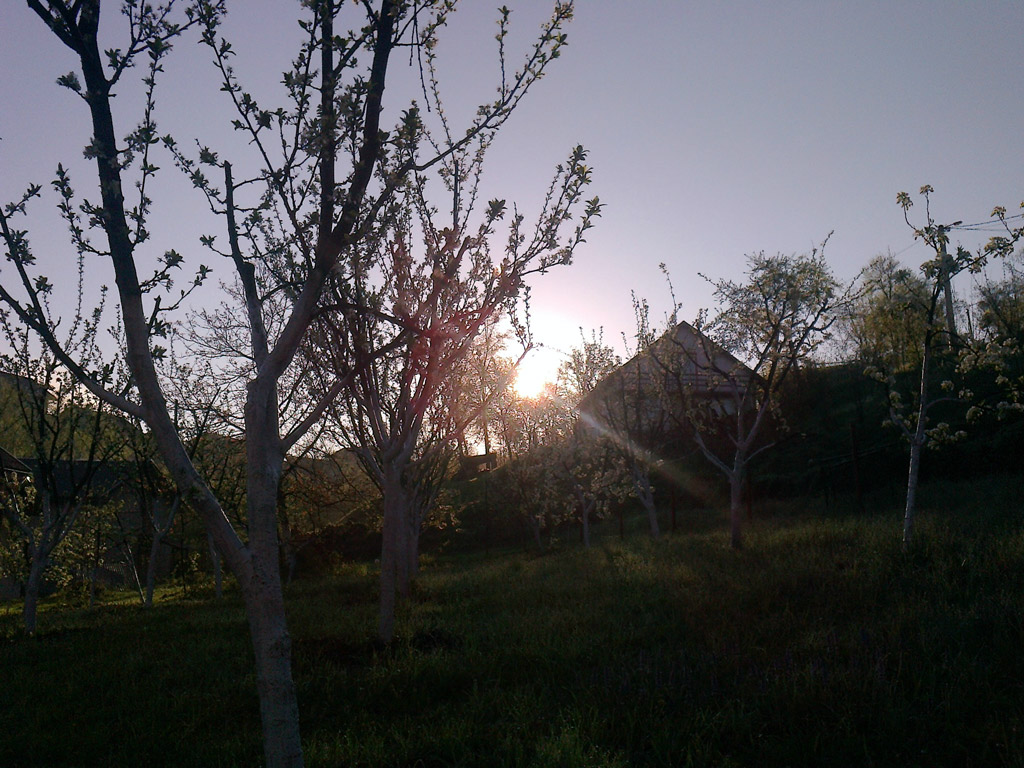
682,341
98,480
10,464
16,381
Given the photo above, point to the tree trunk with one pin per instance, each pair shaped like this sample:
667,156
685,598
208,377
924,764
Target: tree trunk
218,571
652,518
736,509
534,523
95,569
272,645
135,571
160,531
291,560
413,549
912,478
402,578
32,586
917,441
645,493
585,514
158,538
261,588
673,502
389,556
388,585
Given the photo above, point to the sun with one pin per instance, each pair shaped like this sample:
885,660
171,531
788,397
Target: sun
538,369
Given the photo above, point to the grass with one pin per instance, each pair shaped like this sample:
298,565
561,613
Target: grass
818,644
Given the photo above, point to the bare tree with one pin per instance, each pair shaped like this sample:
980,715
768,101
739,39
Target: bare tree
326,170
400,401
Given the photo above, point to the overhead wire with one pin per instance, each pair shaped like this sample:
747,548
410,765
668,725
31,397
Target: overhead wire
979,225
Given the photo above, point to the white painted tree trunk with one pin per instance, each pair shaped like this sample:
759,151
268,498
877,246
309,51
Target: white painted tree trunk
911,508
586,507
37,566
154,553
412,549
534,522
400,543
736,508
218,570
262,590
400,509
135,571
392,528
917,443
645,493
272,645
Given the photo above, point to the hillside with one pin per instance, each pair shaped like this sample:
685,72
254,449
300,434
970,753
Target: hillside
819,644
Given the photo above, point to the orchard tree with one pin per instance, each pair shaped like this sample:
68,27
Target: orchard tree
537,492
158,507
723,376
401,402
594,469
322,491
624,409
71,437
586,366
942,349
595,475
195,411
1001,302
884,323
483,379
556,470
321,170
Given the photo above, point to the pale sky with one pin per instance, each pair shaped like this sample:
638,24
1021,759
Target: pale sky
715,130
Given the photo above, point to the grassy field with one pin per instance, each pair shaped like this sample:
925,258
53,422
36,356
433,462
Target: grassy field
819,644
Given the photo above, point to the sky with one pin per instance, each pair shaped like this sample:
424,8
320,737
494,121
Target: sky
715,130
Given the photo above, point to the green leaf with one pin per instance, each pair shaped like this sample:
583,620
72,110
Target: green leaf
70,80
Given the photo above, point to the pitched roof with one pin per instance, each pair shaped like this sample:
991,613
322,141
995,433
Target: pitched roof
684,341
10,464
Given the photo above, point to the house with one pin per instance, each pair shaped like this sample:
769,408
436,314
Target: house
113,484
13,467
471,466
681,368
13,471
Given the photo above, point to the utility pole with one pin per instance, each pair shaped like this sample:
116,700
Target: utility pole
945,275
